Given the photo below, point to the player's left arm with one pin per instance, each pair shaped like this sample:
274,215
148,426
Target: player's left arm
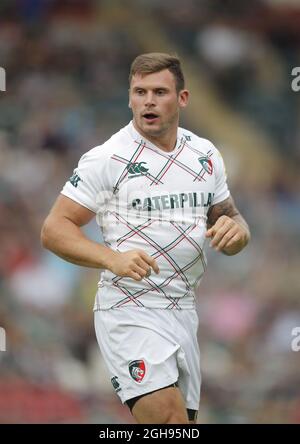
228,230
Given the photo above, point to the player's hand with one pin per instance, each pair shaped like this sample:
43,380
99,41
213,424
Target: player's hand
135,264
227,235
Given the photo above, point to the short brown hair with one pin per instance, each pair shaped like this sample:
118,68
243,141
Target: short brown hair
155,62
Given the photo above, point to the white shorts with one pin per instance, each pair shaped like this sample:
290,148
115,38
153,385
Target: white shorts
147,349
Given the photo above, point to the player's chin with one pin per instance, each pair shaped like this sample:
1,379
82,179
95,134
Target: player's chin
152,127
154,132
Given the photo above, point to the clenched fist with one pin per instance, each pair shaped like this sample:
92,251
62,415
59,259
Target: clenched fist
228,235
135,264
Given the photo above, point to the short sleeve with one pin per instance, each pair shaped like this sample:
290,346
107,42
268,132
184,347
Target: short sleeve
221,187
89,184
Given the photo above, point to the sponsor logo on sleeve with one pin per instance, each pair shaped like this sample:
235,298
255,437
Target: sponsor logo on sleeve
75,179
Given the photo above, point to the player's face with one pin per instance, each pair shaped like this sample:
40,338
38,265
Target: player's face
155,103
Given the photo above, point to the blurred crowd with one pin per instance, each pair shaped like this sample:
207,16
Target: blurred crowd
66,91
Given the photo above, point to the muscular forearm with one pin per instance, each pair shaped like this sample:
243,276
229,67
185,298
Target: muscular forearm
67,241
238,246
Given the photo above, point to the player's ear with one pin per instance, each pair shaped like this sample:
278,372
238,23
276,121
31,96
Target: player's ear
129,104
183,98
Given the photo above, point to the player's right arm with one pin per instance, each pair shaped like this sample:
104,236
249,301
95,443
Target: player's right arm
61,233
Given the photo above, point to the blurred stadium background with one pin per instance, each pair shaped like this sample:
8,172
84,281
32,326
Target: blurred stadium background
67,64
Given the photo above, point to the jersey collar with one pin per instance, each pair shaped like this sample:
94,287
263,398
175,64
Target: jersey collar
138,137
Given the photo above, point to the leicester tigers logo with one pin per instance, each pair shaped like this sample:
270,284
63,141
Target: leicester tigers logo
206,164
137,370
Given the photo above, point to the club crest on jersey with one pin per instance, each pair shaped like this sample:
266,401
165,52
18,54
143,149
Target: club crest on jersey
137,370
206,164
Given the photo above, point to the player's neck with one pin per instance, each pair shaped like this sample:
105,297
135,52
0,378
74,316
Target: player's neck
165,142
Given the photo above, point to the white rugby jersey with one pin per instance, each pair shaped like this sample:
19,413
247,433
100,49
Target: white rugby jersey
157,201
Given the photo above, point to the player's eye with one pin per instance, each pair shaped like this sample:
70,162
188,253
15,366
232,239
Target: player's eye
139,92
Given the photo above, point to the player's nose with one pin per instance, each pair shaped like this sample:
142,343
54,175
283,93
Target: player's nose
149,99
